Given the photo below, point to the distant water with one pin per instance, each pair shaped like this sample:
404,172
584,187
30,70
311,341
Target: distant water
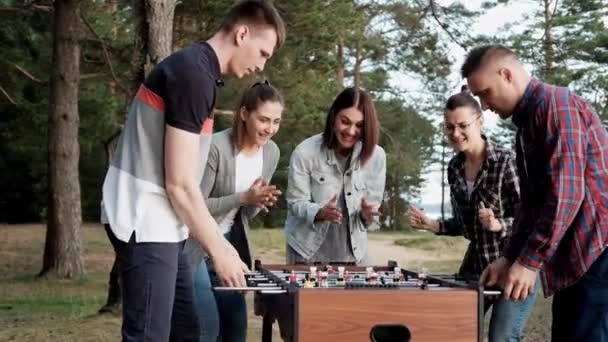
434,209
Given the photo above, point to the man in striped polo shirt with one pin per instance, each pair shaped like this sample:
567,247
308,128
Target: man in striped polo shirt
151,194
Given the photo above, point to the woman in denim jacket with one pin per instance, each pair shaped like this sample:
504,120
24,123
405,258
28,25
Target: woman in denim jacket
336,184
241,162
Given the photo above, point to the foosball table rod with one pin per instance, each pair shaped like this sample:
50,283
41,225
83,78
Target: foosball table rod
266,289
492,293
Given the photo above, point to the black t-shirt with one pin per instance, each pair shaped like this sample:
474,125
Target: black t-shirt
186,81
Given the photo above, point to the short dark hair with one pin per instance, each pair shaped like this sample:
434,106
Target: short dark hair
479,55
255,12
463,99
252,98
354,97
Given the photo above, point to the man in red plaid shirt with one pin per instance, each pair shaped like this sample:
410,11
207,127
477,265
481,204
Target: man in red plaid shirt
562,227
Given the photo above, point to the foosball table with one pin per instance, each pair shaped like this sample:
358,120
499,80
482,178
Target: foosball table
339,302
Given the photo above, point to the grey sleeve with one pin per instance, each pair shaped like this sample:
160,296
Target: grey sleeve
217,205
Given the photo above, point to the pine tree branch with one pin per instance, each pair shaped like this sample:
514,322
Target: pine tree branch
443,25
26,73
90,76
10,99
32,7
106,55
223,112
549,22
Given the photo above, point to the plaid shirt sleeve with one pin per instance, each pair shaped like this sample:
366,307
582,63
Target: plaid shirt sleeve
510,191
451,226
565,147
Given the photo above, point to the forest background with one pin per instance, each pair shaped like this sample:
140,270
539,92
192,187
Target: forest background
68,70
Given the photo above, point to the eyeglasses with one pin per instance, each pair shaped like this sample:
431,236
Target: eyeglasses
265,82
462,127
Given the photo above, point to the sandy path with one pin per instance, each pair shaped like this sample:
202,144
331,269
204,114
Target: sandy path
382,248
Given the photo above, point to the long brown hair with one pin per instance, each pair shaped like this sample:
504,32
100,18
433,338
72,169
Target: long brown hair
252,98
352,97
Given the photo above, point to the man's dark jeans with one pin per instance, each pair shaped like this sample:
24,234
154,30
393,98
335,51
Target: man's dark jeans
580,312
157,292
114,290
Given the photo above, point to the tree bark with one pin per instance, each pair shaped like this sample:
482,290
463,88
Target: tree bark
114,15
443,183
358,62
340,62
63,247
548,42
159,40
140,48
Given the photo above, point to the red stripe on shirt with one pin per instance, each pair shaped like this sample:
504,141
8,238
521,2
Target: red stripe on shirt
148,97
207,128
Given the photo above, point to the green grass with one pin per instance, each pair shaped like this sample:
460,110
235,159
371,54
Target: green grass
40,309
268,239
49,306
429,242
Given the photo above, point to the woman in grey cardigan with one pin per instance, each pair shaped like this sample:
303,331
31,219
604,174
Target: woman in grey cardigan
236,186
336,184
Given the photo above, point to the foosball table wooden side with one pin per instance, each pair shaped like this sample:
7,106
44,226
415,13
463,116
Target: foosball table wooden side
430,316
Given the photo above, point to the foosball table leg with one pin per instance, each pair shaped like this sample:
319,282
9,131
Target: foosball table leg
267,328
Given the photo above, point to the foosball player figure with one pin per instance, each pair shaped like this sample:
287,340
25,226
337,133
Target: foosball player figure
293,277
330,270
347,276
340,279
313,275
368,273
423,282
373,278
308,282
397,276
323,279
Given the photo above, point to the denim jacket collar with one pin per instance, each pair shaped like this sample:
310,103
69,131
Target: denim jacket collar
331,159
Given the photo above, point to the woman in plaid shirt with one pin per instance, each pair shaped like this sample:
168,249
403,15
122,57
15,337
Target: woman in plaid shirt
484,191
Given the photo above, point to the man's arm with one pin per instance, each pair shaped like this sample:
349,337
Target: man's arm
187,200
565,145
521,221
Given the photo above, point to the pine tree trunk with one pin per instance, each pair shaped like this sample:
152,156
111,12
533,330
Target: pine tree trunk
357,70
113,7
340,63
548,43
63,247
159,15
138,60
